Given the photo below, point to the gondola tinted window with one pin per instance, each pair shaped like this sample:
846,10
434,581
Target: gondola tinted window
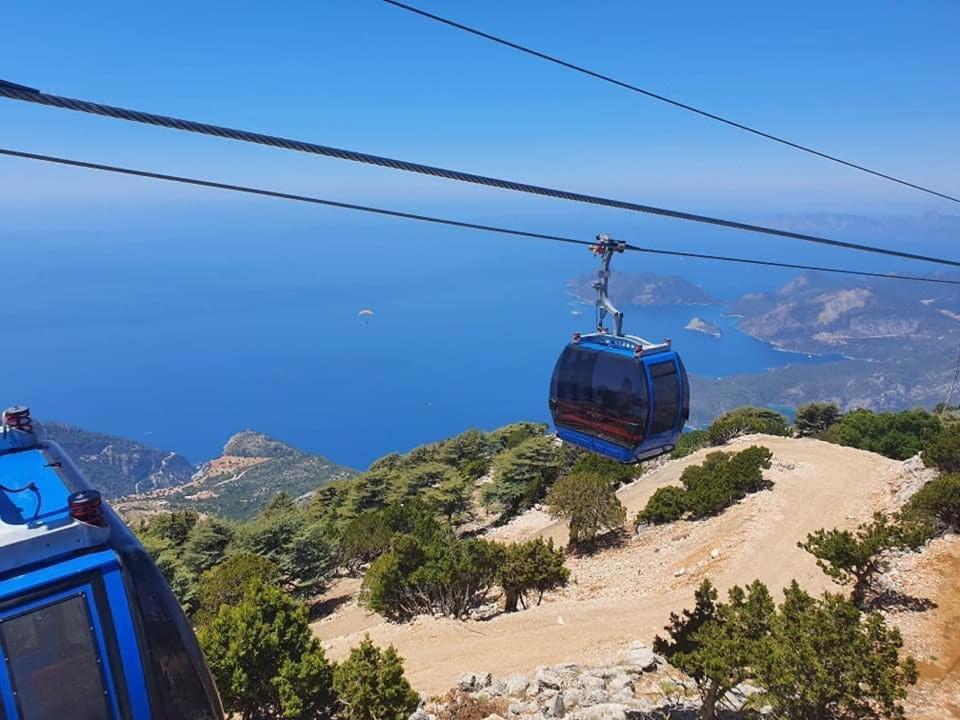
54,664
575,376
620,387
665,396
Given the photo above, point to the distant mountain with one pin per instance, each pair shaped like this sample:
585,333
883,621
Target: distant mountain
643,289
875,320
252,469
117,466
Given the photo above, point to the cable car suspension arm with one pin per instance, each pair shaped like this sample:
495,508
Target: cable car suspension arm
606,246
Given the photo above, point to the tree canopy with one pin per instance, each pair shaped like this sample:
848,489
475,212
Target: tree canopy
587,501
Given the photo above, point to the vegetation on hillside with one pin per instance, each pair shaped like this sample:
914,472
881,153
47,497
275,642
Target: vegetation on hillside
744,421
811,657
855,558
719,481
407,525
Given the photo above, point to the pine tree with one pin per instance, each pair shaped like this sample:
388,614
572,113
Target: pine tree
371,685
265,660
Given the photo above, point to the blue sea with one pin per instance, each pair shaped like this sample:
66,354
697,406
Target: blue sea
181,333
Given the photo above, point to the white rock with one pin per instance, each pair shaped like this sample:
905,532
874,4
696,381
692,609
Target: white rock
518,708
597,696
604,711
681,571
591,682
572,697
515,685
555,708
547,678
640,656
715,553
620,682
560,620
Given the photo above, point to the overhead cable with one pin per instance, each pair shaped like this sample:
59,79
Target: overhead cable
20,92
444,221
662,98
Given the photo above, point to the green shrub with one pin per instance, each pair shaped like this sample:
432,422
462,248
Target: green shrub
301,550
823,658
588,503
943,450
207,544
443,575
938,502
371,686
667,504
522,475
811,657
265,660
709,487
814,418
719,481
689,442
854,558
532,567
228,583
716,642
744,421
897,435
615,473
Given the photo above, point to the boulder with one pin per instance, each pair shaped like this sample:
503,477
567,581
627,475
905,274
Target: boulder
590,682
521,708
640,656
572,697
511,686
555,708
547,678
604,711
620,682
471,682
597,696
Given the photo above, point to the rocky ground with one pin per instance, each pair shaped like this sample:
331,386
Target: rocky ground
625,594
639,685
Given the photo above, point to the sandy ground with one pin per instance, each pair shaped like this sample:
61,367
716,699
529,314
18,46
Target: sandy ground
627,593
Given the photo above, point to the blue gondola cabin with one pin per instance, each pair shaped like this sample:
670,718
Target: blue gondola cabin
88,626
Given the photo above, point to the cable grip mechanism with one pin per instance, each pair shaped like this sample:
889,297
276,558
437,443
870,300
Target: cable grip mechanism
605,248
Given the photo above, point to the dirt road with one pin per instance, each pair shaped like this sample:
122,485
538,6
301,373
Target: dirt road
627,593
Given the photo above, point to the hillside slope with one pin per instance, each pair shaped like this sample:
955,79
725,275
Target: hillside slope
252,469
627,593
117,466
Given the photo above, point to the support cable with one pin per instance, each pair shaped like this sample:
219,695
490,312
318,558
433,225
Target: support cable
20,92
198,182
662,98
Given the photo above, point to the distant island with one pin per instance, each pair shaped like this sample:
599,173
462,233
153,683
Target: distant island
706,327
644,289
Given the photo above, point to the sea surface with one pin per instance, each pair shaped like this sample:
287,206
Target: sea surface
179,337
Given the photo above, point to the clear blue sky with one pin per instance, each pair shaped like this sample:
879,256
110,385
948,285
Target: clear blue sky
871,81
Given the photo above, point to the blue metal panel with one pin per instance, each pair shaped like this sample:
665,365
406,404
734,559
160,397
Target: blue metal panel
16,470
86,592
595,444
127,642
54,573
